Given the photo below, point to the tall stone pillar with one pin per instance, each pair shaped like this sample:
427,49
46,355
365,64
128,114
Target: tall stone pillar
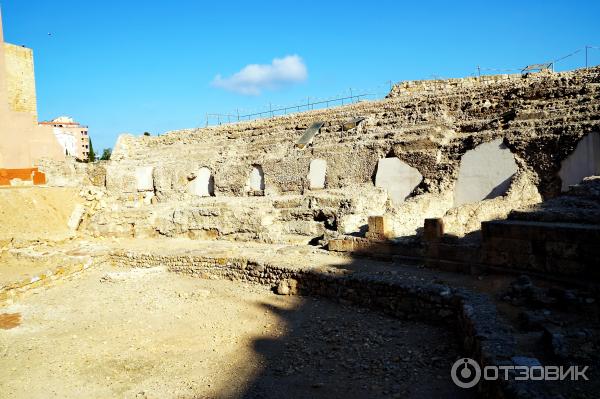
22,141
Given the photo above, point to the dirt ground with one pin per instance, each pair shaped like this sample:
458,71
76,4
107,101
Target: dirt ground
29,213
148,333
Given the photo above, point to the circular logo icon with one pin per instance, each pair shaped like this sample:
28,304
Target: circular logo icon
465,373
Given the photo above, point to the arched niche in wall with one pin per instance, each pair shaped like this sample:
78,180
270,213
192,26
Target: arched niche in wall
256,180
203,185
584,161
397,178
316,174
485,173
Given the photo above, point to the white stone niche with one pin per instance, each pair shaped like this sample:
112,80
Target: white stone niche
317,172
485,173
256,180
397,178
584,161
143,178
203,185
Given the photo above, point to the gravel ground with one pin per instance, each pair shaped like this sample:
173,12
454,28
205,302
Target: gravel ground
147,333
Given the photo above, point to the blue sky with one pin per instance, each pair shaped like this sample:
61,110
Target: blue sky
135,66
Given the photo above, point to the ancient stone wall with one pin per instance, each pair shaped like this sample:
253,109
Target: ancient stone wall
20,79
555,238
564,249
442,86
535,122
71,173
429,133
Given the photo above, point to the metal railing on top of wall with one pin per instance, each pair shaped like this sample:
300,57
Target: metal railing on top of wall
376,93
219,119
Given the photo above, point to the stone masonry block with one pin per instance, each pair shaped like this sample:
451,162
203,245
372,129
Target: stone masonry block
380,226
433,229
341,245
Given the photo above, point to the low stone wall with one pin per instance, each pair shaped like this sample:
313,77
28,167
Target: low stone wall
377,249
553,251
9,292
550,248
484,335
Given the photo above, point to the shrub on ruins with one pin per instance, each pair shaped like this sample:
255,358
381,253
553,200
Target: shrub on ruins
91,154
106,153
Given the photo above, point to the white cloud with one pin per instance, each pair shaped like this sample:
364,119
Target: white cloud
254,78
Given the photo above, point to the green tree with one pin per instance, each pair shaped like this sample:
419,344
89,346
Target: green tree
106,153
91,154
147,134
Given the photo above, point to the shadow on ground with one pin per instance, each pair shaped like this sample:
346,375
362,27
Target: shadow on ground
339,350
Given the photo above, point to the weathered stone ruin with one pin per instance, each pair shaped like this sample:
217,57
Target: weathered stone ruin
425,205
463,150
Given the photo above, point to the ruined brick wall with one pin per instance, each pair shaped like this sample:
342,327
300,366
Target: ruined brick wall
20,78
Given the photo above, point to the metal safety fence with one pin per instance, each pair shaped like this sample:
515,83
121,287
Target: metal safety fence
352,96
